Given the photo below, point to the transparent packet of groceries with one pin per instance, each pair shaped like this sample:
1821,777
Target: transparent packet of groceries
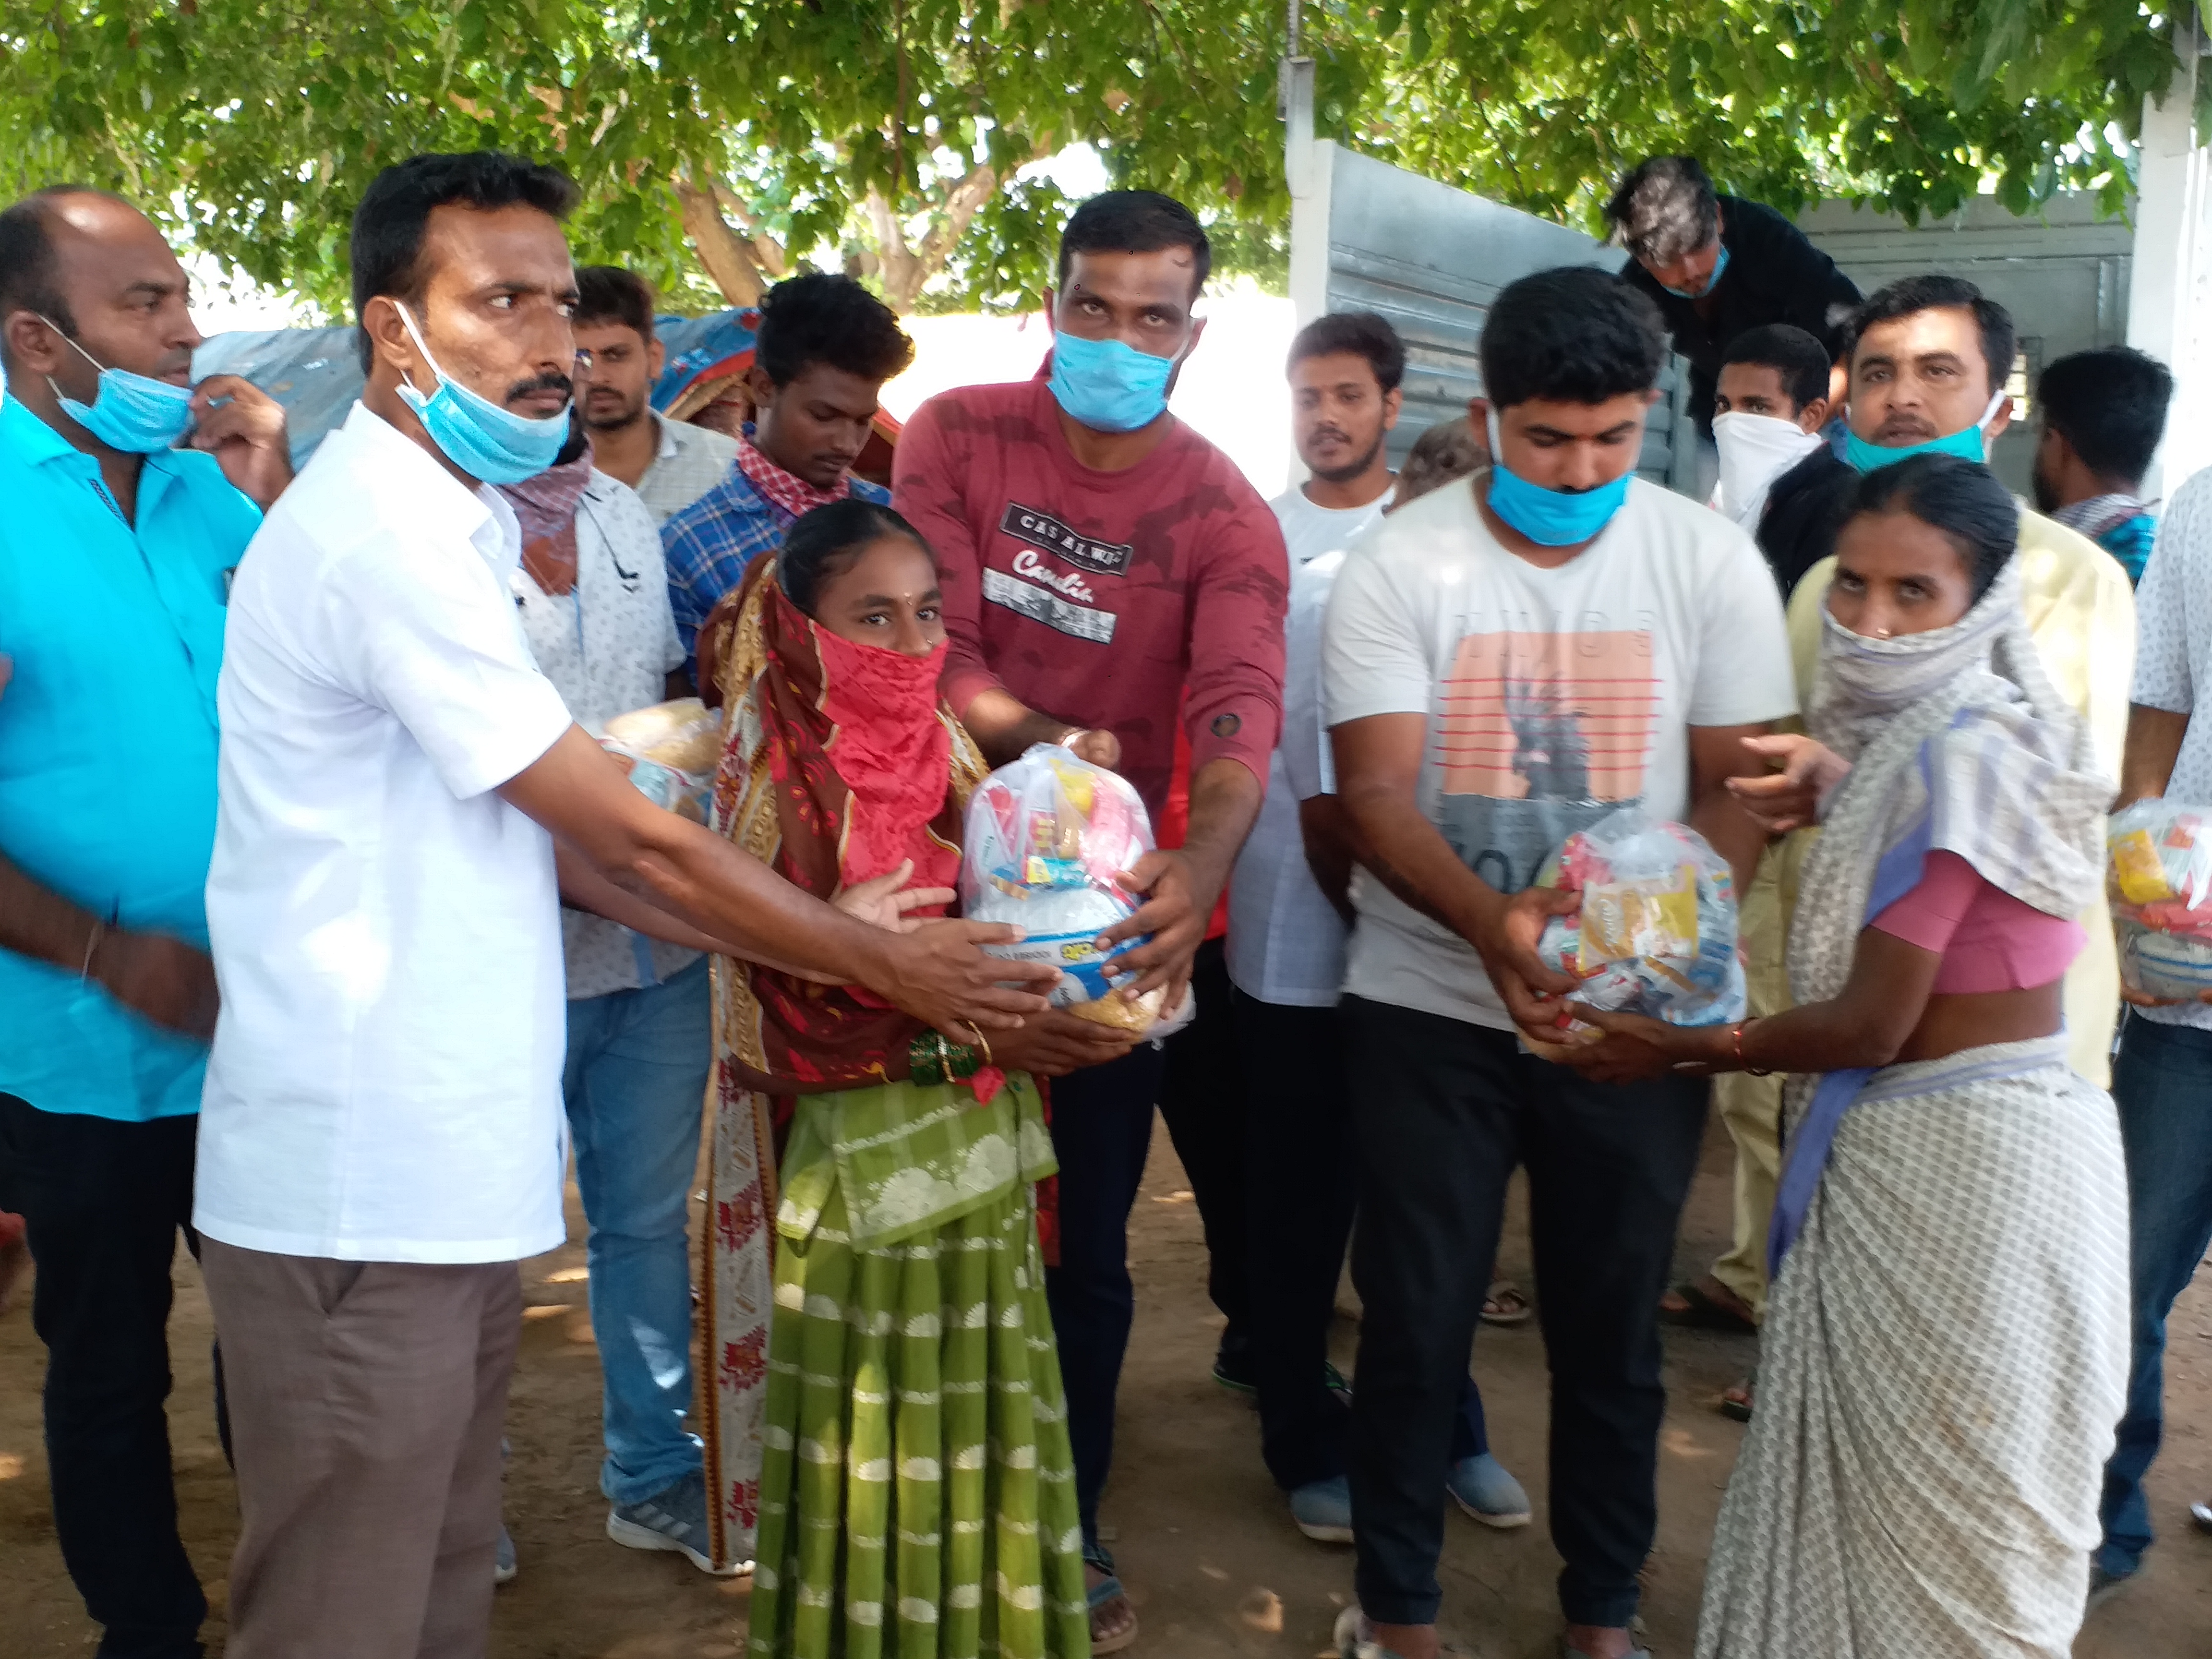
669,750
1047,836
1656,934
2159,878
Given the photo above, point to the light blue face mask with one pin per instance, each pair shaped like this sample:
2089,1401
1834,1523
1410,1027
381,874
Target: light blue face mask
486,442
134,413
1711,282
1968,443
1107,385
1550,518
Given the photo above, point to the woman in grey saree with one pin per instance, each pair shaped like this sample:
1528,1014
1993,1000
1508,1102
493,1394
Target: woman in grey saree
1946,1349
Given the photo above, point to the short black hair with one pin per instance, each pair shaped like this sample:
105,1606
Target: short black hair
827,318
28,273
1935,292
1663,210
389,225
1449,449
608,294
1576,334
1800,361
1961,498
2109,403
1362,333
824,542
1135,221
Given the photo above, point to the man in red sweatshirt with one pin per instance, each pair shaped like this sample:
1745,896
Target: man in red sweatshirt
1109,576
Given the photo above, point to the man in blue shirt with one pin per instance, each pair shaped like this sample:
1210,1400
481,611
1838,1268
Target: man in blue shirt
824,348
2100,415
115,554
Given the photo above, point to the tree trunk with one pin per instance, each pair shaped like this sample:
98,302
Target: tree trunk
906,269
730,259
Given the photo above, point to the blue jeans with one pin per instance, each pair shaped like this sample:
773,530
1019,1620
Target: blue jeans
636,1086
2162,1083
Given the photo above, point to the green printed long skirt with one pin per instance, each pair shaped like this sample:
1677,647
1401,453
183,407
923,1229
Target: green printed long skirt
917,1487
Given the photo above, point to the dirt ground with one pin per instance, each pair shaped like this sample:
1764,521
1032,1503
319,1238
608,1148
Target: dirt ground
1204,1540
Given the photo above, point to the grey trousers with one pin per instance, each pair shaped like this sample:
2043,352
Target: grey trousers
365,1405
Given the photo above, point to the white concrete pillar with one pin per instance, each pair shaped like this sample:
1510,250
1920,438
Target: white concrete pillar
2169,287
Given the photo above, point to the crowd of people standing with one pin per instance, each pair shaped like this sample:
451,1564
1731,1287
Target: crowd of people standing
377,935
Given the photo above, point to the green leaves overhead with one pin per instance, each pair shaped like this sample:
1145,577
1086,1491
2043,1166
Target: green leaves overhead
738,137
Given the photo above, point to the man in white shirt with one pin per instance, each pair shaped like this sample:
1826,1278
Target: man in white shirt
381,1138
2163,1072
1285,963
670,464
1504,662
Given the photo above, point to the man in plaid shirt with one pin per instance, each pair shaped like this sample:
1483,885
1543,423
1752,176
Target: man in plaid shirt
825,349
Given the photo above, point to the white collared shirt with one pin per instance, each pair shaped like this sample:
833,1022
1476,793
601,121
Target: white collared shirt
385,1079
690,461
1285,939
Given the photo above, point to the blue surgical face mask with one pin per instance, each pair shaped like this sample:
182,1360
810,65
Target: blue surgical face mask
483,440
1551,517
1107,385
1711,282
134,413
1968,443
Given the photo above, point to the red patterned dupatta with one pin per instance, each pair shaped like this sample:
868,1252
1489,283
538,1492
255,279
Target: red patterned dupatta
841,762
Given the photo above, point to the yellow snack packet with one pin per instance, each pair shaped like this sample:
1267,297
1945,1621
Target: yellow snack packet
2138,869
1647,917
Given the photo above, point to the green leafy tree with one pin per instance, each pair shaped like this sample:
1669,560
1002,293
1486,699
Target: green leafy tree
721,143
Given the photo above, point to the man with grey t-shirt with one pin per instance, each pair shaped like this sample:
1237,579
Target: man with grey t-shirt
1504,662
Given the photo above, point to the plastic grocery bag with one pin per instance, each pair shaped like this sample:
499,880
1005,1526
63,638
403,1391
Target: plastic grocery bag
669,750
2159,877
1656,932
1046,836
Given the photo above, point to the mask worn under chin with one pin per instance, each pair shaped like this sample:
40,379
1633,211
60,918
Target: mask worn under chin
486,442
1712,281
1968,443
1107,385
1756,449
1550,518
134,413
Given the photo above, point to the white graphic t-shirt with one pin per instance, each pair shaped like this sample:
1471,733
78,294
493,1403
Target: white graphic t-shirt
1553,697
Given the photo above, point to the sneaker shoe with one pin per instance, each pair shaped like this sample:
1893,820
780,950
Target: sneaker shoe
1234,1371
672,1520
1322,1509
1485,1490
504,1565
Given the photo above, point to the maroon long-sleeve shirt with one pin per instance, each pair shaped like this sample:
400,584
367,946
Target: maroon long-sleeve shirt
1105,599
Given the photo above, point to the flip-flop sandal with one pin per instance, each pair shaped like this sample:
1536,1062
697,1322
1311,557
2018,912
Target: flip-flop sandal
1109,1590
1703,1313
1504,1304
1738,1410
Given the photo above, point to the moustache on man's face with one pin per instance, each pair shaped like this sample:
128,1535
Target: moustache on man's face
551,380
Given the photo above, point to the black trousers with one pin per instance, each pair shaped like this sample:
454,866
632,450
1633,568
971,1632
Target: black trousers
1202,1099
103,1202
1299,1196
1443,1110
1102,1128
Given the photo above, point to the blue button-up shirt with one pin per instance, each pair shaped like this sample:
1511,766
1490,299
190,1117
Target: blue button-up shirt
107,746
708,545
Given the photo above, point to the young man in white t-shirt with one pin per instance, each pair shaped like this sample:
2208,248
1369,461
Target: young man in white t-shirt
1504,662
1286,961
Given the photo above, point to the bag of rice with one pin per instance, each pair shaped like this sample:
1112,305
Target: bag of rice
2158,878
1046,836
669,750
1656,932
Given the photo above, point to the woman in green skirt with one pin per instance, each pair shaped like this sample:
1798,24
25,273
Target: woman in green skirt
888,1411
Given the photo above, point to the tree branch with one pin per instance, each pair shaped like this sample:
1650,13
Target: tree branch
728,257
774,258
